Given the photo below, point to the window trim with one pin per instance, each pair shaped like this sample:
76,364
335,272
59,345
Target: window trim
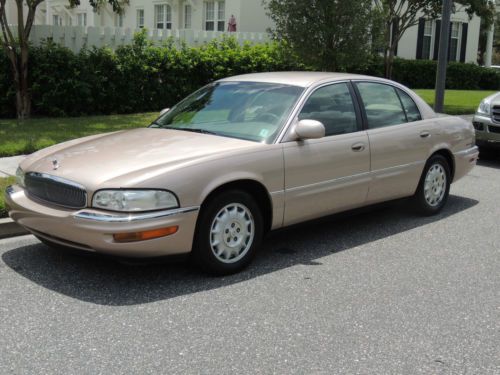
395,87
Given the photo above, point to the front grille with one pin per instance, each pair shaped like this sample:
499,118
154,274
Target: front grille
495,113
56,191
494,129
478,126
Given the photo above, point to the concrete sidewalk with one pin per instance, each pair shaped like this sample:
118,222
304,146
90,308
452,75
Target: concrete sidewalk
9,165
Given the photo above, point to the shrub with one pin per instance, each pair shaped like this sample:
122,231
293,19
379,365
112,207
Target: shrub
421,74
145,77
134,78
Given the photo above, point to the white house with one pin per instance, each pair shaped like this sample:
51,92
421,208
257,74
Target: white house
422,41
418,42
209,15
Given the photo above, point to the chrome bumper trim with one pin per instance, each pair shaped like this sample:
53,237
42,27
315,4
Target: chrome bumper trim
130,217
468,151
10,190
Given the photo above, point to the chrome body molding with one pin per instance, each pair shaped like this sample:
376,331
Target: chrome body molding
469,151
57,179
130,217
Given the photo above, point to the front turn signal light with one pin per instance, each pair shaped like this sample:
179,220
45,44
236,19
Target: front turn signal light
146,235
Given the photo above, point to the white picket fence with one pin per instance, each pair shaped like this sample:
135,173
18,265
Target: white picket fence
76,37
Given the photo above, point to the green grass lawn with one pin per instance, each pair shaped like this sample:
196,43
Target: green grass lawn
4,182
457,102
35,134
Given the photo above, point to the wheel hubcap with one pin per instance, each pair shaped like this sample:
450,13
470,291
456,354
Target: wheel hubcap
435,185
231,233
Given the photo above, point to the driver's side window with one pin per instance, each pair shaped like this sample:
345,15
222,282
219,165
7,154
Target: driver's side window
333,106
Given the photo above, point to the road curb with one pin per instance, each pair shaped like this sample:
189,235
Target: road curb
9,228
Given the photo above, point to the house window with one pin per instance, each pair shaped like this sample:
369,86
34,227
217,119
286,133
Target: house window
221,15
82,19
119,20
215,14
140,18
56,20
210,16
454,41
426,43
163,16
187,16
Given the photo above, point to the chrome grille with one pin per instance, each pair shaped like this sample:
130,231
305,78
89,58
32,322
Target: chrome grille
495,113
54,190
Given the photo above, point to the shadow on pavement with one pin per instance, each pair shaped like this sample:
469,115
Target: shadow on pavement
489,157
104,281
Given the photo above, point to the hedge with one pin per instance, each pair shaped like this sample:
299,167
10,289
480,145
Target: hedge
421,74
135,78
142,77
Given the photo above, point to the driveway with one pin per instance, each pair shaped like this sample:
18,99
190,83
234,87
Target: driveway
376,292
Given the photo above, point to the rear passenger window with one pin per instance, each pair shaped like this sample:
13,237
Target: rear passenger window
382,105
333,107
411,109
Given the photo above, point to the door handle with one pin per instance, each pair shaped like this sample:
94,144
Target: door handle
425,134
357,147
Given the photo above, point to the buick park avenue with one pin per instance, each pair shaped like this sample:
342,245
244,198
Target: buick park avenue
238,158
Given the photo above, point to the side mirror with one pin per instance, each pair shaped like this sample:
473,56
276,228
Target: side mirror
309,129
163,111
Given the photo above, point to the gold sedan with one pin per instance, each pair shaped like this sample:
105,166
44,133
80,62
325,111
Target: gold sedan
238,158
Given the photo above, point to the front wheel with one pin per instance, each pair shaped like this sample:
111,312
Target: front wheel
229,231
434,186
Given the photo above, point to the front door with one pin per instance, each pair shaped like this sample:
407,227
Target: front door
331,174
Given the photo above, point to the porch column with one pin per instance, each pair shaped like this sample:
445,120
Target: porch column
489,46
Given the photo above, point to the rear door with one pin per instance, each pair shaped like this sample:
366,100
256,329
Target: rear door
399,140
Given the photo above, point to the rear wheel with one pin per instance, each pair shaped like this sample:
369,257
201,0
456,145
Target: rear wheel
434,186
229,231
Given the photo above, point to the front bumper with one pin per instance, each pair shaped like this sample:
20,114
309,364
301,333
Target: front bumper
487,131
92,230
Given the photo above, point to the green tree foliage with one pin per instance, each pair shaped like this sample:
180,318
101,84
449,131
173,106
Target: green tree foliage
326,34
16,44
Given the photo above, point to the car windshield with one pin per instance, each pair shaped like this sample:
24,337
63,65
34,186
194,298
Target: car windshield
246,110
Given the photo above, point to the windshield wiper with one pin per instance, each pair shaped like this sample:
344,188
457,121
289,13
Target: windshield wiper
155,124
195,130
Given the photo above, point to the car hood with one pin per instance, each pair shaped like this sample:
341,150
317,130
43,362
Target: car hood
128,157
494,99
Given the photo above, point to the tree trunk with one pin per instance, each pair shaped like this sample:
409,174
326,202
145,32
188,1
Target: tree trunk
387,49
390,63
23,95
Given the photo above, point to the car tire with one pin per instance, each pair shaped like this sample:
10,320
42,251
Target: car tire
228,233
434,186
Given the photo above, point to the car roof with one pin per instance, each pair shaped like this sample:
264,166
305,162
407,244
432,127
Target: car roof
303,79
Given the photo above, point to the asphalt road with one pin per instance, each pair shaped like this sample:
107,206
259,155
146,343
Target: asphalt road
380,292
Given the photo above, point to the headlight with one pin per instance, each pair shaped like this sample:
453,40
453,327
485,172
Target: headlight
20,176
484,108
134,200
